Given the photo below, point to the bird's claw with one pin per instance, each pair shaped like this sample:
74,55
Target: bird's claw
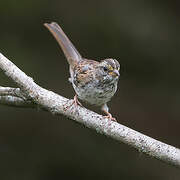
109,116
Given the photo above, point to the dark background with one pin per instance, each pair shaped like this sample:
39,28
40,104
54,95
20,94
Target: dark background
143,36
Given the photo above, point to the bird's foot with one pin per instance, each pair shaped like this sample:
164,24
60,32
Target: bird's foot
105,109
109,116
74,102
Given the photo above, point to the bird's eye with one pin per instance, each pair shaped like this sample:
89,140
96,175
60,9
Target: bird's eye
105,69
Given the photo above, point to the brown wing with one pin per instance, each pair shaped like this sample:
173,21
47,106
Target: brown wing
68,48
84,72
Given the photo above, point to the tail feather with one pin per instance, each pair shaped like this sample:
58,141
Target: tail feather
70,52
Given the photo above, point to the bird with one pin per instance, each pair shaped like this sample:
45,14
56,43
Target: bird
94,82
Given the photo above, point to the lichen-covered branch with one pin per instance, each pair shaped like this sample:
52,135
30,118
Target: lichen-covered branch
33,95
11,91
16,101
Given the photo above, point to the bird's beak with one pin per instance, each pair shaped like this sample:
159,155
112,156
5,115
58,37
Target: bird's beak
115,73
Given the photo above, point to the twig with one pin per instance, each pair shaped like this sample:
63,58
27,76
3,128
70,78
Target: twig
56,104
16,101
11,91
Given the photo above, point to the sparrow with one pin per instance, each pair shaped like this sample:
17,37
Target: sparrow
94,82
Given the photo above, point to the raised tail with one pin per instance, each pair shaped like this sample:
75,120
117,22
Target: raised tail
71,53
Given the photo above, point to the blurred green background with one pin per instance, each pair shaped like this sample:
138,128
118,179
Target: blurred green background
143,36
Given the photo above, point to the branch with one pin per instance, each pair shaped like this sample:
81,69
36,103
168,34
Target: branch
10,91
14,97
16,101
33,95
